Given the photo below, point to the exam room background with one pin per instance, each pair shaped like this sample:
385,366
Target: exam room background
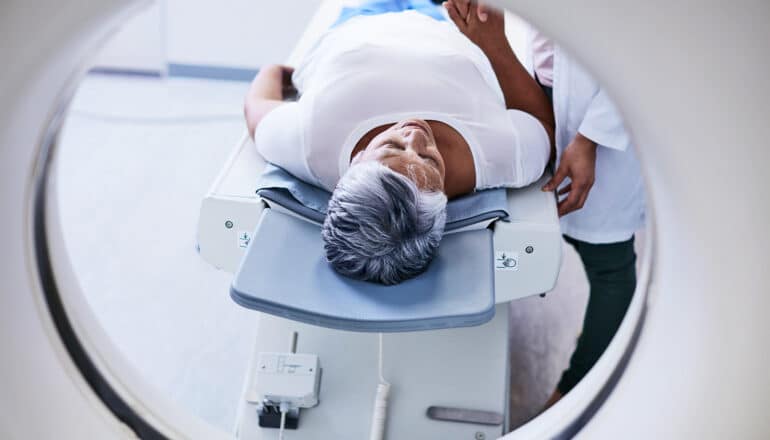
145,136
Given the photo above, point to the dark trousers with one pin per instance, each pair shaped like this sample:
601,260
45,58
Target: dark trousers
611,271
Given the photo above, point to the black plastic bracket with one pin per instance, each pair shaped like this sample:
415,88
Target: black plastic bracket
270,417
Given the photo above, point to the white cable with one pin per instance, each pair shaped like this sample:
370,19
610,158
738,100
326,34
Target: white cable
380,412
284,408
382,378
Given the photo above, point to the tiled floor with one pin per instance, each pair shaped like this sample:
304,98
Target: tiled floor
136,156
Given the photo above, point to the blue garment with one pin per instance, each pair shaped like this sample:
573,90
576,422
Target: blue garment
375,7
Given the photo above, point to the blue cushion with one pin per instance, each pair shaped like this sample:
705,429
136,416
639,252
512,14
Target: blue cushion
285,273
278,186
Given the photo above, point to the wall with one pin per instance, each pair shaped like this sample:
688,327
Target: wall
138,45
234,33
228,38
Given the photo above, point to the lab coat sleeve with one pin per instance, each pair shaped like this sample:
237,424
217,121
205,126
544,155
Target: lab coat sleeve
602,123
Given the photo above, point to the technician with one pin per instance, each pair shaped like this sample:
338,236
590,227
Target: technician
598,182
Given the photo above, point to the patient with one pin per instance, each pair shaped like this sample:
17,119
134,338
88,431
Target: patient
397,112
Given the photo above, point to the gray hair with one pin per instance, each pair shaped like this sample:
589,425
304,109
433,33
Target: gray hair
380,227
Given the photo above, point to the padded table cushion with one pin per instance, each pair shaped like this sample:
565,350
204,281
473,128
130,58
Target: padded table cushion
285,273
278,186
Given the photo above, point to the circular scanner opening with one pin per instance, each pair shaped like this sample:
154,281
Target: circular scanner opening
144,139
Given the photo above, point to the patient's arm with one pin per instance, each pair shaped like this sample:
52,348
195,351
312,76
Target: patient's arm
267,92
520,90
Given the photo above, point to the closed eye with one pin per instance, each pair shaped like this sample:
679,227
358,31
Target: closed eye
431,160
393,146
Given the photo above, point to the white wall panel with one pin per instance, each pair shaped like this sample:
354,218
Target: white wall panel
138,45
235,33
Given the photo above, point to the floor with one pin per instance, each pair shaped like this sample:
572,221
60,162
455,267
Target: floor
543,334
136,156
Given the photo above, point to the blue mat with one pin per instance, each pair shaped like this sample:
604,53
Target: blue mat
308,201
285,273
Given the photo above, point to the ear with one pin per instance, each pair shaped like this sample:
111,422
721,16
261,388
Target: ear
356,158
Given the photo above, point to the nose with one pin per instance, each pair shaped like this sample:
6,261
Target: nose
415,139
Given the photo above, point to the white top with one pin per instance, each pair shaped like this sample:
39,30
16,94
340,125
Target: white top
615,208
364,74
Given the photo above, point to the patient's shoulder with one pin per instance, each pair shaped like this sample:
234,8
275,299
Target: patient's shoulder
279,139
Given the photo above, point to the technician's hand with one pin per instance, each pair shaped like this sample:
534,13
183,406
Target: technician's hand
578,162
481,24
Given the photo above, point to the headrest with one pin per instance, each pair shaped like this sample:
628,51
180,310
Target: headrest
285,273
276,185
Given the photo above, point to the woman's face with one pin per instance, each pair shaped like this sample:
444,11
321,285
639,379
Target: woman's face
409,148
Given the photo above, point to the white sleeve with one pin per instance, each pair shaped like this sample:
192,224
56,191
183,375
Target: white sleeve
532,145
602,123
279,140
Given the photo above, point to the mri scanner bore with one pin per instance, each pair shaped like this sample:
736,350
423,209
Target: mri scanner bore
155,144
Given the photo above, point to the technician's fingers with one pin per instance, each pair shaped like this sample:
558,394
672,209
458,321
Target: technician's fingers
584,197
558,177
451,9
564,190
578,194
569,204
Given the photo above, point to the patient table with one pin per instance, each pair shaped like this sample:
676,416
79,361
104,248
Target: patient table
437,351
446,331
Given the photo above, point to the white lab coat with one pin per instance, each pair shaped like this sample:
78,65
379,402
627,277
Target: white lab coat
615,207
